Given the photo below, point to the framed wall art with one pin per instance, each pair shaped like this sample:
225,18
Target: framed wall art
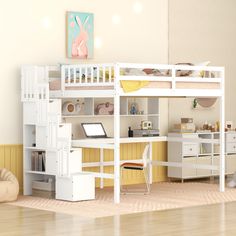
80,39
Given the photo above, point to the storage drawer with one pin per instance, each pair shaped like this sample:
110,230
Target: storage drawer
190,149
205,160
230,164
43,185
189,172
78,187
231,147
230,137
216,162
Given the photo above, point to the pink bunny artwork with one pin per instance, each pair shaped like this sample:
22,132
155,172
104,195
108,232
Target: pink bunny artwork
79,45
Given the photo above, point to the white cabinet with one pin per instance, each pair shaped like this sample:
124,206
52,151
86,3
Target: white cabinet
200,153
78,187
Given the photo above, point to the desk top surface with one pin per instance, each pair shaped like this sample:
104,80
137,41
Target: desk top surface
95,142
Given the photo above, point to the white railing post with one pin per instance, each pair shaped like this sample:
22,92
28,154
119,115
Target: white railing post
117,136
150,163
101,167
222,135
63,77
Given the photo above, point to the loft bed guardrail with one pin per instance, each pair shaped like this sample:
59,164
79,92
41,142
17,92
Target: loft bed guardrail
160,80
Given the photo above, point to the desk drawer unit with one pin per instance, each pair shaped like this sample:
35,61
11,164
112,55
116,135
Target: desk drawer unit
231,147
190,149
231,137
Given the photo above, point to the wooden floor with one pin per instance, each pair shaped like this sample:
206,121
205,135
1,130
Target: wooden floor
218,219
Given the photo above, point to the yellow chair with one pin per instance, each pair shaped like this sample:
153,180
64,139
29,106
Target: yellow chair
142,166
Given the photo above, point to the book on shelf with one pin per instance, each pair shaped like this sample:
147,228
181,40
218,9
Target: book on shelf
44,161
38,161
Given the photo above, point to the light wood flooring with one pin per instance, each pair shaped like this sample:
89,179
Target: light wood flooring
216,219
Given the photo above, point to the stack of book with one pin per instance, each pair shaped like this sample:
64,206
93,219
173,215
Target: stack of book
38,161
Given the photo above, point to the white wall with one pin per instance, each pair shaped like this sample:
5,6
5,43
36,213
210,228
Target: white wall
25,40
202,30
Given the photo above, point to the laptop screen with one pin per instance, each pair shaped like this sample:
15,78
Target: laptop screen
94,130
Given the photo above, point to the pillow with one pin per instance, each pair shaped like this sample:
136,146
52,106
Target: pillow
201,73
184,72
154,72
181,72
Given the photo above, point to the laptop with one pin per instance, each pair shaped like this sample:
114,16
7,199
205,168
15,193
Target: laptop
94,130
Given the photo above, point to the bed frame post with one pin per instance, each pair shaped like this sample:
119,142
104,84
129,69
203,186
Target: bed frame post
222,135
117,136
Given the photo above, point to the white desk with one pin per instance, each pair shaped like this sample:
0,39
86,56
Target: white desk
108,143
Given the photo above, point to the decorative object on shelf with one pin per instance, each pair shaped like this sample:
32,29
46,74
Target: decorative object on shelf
186,120
186,126
141,113
106,108
68,107
72,108
194,103
217,126
205,126
78,106
130,132
146,124
80,42
204,102
133,108
229,125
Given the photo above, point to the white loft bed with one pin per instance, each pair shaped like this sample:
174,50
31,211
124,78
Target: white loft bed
41,83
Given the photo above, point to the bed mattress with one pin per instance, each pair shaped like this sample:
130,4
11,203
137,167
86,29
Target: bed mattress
55,85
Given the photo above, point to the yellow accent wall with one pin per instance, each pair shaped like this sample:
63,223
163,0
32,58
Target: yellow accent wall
11,158
129,151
